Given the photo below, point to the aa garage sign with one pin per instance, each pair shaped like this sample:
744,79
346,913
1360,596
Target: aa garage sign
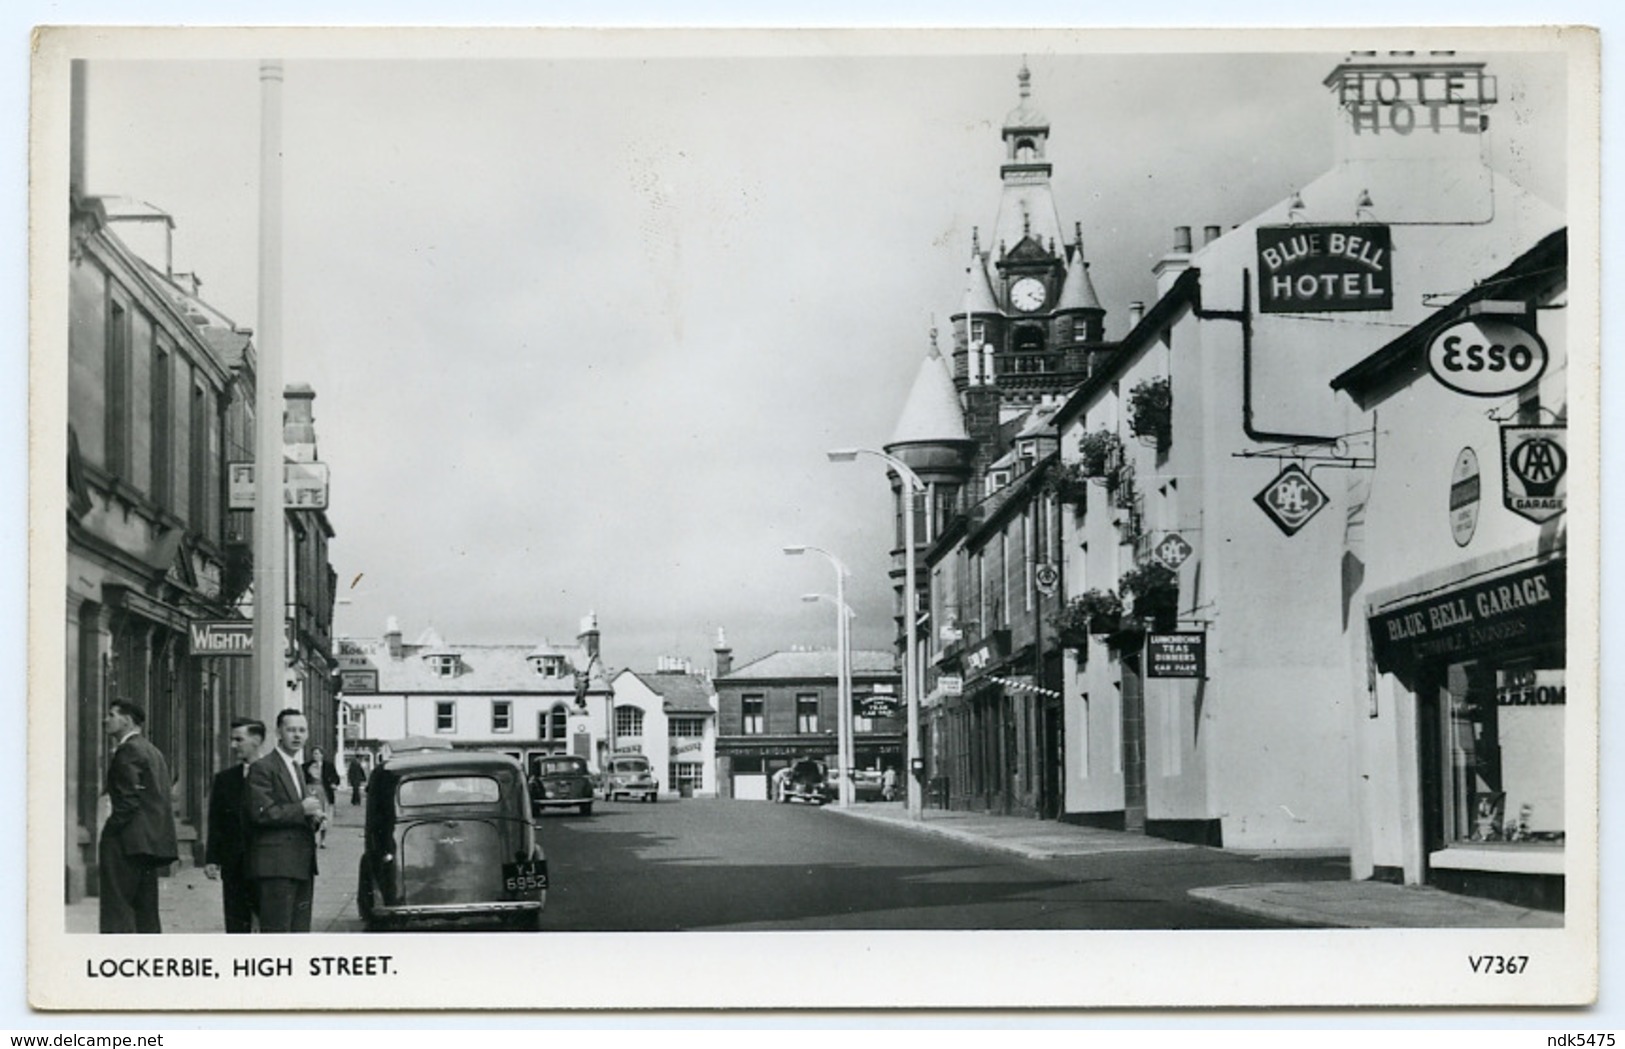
1320,269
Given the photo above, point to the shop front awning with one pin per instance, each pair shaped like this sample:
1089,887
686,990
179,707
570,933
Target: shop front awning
1023,686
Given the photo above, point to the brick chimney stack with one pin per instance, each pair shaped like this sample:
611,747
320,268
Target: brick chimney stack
724,654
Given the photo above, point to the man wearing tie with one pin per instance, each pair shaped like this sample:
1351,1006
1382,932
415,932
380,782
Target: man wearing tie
283,815
226,856
139,835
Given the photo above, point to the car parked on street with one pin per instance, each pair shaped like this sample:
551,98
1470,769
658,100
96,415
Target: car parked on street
560,781
630,776
448,838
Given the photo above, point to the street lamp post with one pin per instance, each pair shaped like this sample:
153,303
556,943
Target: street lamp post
912,487
845,729
843,677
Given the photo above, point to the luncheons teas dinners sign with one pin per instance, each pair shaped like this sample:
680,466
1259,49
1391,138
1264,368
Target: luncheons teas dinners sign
1319,269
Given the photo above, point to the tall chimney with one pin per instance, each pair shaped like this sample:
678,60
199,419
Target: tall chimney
724,654
1209,235
1177,261
299,422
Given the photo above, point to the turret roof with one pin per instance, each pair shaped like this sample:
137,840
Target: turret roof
978,288
932,411
1078,292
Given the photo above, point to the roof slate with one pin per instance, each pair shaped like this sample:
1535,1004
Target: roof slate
484,668
820,663
680,693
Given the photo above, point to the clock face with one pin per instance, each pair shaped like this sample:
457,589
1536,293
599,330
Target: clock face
1027,294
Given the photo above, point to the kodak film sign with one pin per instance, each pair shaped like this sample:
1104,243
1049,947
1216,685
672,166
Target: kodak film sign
1322,269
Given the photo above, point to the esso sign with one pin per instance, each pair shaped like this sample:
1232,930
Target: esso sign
1484,357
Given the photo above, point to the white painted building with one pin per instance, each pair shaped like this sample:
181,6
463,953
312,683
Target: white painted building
522,700
669,716
1460,647
1259,469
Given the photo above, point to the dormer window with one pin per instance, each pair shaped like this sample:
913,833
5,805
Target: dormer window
445,665
996,480
549,666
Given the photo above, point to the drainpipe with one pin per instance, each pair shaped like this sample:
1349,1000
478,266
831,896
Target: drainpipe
1244,317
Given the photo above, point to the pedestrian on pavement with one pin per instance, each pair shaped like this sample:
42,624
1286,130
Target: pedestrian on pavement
781,779
888,783
225,856
139,835
284,816
358,778
313,784
331,780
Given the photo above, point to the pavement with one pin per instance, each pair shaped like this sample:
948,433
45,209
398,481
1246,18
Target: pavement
188,902
1342,904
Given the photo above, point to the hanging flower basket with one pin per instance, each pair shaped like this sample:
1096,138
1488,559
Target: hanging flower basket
1092,612
1151,410
1153,590
1067,483
1099,452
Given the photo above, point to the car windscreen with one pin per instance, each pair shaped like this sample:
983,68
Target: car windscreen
448,790
630,765
562,767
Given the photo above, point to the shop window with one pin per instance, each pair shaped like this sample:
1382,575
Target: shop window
1504,724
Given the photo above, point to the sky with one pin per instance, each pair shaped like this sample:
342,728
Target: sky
582,319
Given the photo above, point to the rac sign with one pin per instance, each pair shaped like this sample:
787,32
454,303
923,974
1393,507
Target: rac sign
1486,357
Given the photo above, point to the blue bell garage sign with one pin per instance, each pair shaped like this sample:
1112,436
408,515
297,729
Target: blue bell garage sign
1515,610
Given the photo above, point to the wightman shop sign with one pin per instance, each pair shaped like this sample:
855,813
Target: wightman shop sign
1324,269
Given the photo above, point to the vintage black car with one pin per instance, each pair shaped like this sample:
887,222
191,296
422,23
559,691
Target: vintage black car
560,781
808,781
448,838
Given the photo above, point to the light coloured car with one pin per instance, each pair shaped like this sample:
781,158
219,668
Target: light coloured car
630,776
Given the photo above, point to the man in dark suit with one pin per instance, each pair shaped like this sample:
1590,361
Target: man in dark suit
139,835
226,855
284,813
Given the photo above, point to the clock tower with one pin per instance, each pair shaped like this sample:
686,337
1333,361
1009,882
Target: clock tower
1031,319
